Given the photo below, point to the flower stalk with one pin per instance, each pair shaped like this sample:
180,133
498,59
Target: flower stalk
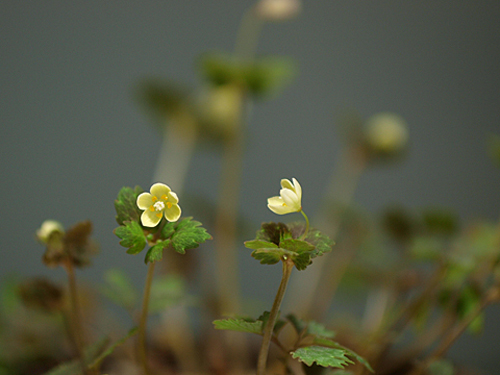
141,338
273,316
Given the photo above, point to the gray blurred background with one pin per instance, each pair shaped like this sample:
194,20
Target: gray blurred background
71,135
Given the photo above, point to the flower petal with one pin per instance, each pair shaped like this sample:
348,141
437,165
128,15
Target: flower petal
297,188
159,190
286,184
144,200
291,199
173,213
150,218
277,205
172,198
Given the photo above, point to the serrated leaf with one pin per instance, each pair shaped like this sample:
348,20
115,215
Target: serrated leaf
132,237
259,244
335,345
119,288
188,235
269,256
240,325
326,357
155,253
322,243
168,230
126,206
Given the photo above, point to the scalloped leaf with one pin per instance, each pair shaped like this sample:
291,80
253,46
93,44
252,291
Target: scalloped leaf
239,325
335,345
132,237
188,235
155,253
126,206
326,357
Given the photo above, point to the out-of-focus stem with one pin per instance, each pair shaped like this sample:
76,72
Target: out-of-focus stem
178,144
350,165
273,315
75,315
247,38
141,338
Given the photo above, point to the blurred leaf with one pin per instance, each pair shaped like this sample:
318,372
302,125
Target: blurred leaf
132,237
426,248
326,357
317,329
335,345
398,223
441,367
162,98
126,206
440,221
166,291
240,325
119,288
112,348
10,300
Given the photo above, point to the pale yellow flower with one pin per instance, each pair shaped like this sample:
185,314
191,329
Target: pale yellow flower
161,201
290,199
48,228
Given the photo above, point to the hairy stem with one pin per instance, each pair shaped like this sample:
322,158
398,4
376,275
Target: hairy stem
75,315
141,339
268,329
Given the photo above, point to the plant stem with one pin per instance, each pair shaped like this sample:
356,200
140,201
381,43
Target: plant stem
75,314
307,225
268,329
141,339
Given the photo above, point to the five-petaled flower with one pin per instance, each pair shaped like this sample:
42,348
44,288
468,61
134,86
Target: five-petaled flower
289,200
162,201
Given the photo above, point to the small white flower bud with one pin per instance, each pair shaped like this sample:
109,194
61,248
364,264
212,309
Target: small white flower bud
48,228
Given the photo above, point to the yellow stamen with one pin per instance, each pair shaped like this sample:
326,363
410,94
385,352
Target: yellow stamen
164,197
151,208
158,214
154,199
169,205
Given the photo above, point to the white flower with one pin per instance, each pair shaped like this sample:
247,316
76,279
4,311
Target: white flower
161,202
278,10
290,199
386,132
48,228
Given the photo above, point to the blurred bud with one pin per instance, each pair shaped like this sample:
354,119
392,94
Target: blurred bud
48,229
42,294
278,10
386,133
221,108
398,223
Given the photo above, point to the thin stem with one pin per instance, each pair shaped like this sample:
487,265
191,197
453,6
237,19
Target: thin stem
141,339
307,225
268,330
75,314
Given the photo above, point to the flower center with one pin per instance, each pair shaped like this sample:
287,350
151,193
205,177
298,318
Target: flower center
159,206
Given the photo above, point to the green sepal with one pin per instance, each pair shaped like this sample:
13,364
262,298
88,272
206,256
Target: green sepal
188,235
326,357
239,325
126,205
155,253
132,236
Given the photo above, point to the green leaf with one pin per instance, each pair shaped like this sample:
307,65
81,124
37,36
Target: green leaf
155,253
188,235
168,230
270,256
302,251
166,291
119,288
126,206
269,75
441,367
260,244
322,341
132,237
240,325
112,348
322,243
326,357
317,329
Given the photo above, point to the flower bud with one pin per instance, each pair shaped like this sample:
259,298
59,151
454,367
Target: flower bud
48,229
386,133
278,10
